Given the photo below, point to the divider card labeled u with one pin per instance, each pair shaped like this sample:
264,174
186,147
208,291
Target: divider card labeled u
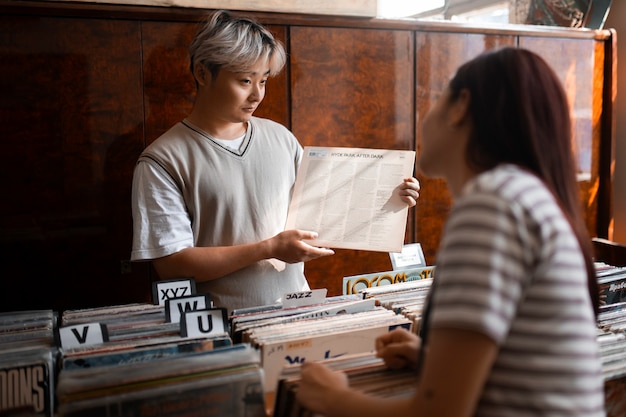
175,307
202,323
172,288
85,334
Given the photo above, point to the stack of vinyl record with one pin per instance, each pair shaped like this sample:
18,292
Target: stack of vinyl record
366,373
28,356
612,319
340,326
407,298
225,381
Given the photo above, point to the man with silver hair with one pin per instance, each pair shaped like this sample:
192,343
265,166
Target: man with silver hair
210,196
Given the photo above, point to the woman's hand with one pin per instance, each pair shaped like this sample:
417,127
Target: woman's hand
319,385
399,348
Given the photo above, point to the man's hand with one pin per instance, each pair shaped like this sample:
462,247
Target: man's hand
409,191
290,246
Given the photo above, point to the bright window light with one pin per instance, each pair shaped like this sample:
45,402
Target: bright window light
404,8
497,13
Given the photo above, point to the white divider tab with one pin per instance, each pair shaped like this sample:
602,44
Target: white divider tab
173,288
412,256
202,323
175,307
84,334
304,298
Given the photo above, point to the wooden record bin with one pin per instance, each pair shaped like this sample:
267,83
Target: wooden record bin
85,87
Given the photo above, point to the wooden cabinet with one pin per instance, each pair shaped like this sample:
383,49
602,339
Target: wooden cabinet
71,129
352,87
85,87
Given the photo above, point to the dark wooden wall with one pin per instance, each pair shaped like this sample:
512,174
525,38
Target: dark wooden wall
84,88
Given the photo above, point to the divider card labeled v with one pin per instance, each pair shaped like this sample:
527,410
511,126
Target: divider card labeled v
351,198
174,307
85,334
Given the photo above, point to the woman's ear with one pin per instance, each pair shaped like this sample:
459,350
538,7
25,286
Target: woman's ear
459,110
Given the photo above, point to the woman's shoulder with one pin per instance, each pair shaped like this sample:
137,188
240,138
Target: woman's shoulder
512,188
508,181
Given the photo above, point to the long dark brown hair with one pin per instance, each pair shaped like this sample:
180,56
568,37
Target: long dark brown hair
521,116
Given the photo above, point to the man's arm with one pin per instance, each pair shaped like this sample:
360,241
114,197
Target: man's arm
208,263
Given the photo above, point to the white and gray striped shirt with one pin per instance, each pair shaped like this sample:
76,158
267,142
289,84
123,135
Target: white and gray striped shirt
510,267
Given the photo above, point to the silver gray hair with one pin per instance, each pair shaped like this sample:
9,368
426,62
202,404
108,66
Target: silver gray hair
235,44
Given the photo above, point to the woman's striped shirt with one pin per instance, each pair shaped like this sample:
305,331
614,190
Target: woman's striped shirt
510,267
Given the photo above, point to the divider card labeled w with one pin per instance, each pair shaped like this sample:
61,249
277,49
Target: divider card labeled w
175,307
350,197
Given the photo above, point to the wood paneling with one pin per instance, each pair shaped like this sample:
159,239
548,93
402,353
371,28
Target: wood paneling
580,66
438,55
609,252
86,87
352,88
71,109
169,87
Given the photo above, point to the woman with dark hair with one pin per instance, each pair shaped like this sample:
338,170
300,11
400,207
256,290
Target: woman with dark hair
510,327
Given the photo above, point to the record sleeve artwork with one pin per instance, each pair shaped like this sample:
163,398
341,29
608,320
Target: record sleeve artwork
565,13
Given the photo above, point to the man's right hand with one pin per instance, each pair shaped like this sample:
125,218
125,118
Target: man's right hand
291,247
